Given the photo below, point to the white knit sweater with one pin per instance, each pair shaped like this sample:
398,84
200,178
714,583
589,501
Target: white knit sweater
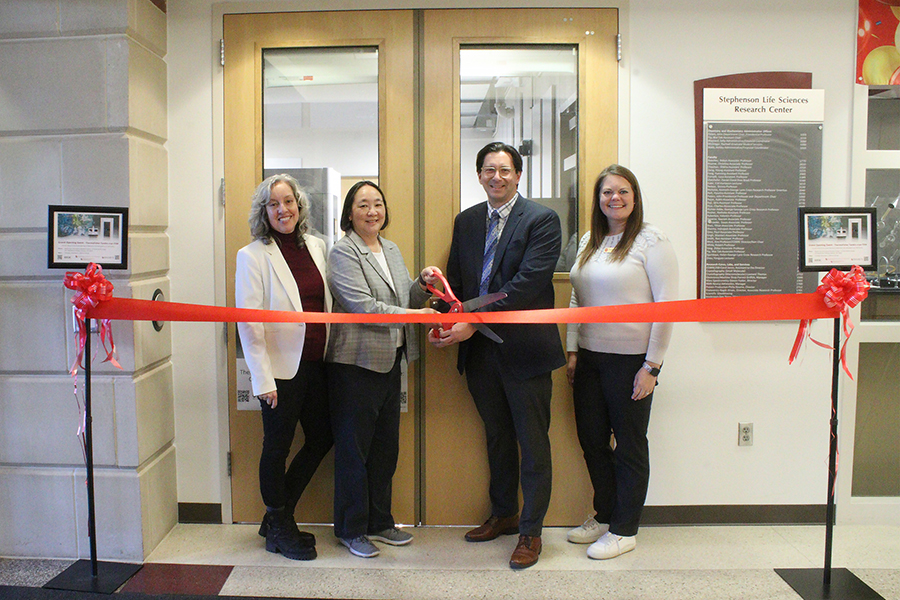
648,274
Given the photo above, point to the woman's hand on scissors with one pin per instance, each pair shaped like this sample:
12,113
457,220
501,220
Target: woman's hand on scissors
429,276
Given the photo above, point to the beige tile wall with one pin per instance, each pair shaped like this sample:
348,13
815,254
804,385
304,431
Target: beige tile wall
82,122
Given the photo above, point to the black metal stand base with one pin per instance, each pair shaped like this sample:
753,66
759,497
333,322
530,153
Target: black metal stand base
844,585
80,577
828,583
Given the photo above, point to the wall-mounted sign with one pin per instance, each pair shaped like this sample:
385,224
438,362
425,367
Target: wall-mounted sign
245,398
788,106
762,159
80,235
837,238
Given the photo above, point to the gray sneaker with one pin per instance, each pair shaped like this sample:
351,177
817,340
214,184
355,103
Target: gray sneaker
392,536
361,546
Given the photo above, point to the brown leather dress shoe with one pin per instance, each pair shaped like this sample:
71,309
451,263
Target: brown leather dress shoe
526,552
494,528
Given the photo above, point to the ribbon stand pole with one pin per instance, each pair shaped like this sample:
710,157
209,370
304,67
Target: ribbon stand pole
83,575
837,584
832,455
89,453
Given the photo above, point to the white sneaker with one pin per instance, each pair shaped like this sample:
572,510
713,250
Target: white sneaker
588,532
611,545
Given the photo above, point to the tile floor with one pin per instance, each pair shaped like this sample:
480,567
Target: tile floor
670,563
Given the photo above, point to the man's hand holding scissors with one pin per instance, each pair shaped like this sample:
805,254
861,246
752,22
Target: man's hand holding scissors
448,335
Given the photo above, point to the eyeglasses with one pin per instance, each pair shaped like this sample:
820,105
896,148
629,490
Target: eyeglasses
491,171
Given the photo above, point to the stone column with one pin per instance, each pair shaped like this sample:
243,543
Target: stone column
82,123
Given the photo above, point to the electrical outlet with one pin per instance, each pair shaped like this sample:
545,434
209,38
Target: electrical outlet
745,434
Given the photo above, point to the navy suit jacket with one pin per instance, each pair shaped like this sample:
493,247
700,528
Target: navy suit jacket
523,267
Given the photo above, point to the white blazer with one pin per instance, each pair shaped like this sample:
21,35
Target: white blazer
263,280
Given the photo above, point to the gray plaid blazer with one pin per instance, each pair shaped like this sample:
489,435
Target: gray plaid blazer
358,285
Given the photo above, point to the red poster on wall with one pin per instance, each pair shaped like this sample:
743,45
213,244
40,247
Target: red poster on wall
878,43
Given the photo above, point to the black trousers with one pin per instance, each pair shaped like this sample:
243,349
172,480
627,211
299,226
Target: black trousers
303,399
365,411
603,406
516,415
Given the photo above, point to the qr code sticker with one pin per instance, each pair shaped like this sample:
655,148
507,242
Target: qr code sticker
243,396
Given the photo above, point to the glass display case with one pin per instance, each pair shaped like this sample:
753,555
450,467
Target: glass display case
883,193
883,125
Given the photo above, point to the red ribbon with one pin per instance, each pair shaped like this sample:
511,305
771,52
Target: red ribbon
772,307
842,291
91,288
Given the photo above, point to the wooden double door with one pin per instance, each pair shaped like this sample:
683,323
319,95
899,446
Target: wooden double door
424,166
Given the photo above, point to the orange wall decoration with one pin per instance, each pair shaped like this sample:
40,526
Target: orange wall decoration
878,43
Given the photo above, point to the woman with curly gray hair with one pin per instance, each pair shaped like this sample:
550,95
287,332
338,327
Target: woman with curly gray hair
284,269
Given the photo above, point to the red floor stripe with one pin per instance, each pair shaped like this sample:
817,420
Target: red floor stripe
161,578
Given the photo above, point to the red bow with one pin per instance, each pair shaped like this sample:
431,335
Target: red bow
842,291
91,288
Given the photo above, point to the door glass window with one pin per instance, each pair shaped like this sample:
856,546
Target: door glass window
320,124
883,192
883,131
525,96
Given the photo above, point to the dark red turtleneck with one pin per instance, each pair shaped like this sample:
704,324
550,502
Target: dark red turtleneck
312,291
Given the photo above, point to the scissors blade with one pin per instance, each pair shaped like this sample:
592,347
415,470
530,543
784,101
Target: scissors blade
480,301
487,332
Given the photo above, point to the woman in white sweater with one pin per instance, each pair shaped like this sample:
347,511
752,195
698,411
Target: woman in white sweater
613,367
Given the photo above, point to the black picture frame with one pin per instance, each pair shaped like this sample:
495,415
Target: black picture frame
836,238
80,235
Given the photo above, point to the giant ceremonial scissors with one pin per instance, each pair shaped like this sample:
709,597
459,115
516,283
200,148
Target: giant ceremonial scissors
460,307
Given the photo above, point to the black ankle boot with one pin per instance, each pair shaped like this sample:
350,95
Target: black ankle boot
284,537
307,540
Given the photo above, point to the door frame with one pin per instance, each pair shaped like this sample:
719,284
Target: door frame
598,146
453,454
246,35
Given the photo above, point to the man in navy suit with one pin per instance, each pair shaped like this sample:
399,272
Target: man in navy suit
509,244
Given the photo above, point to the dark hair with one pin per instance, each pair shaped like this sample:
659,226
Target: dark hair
260,228
346,222
600,224
498,147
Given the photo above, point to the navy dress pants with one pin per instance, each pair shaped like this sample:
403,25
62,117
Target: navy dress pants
516,416
365,413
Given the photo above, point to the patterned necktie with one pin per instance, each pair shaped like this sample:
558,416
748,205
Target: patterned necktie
490,246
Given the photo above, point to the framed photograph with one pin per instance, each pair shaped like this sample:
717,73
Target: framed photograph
837,238
80,235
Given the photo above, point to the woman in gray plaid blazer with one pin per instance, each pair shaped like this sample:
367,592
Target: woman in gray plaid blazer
367,274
